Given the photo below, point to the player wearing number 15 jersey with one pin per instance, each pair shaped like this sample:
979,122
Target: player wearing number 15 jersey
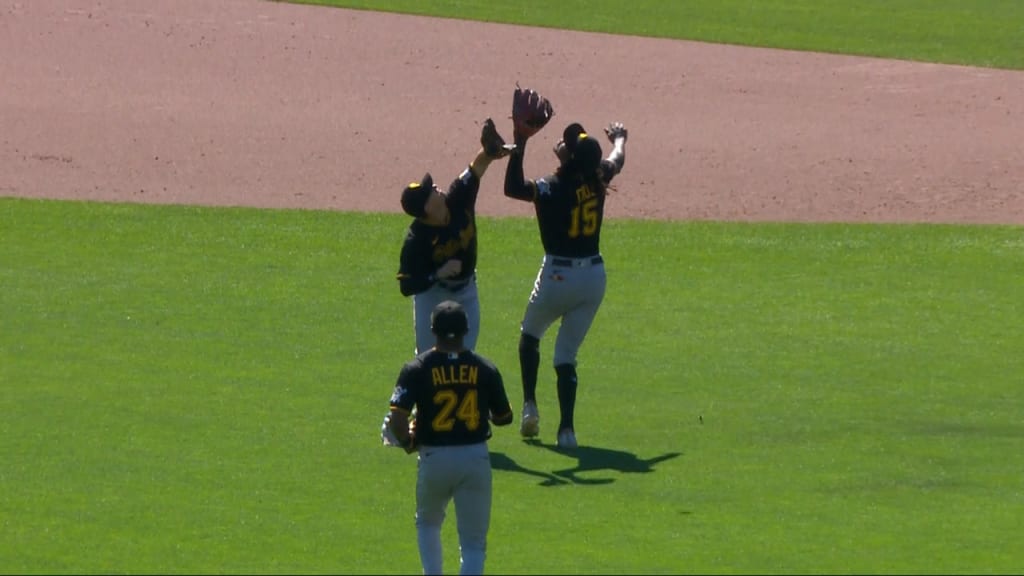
457,394
571,283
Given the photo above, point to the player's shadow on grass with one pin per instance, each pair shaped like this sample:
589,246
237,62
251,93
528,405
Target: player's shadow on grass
592,459
588,459
500,461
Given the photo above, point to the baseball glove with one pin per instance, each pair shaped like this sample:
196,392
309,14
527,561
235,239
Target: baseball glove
530,112
388,439
494,145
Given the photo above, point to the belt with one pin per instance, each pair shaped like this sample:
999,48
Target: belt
577,262
453,286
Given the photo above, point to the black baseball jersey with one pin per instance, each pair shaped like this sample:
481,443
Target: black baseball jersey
453,392
570,214
427,248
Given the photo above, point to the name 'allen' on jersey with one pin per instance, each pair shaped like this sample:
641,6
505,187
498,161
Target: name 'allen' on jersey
455,374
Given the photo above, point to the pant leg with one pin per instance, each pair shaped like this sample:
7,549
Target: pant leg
469,298
473,508
423,305
544,306
433,490
589,285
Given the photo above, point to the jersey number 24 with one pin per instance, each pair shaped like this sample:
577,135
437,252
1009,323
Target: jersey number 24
453,409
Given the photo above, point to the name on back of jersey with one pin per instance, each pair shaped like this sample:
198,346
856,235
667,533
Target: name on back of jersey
584,193
455,375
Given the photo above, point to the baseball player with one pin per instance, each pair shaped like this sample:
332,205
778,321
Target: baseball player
456,394
570,285
438,259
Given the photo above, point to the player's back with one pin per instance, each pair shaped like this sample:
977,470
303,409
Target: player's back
454,393
570,214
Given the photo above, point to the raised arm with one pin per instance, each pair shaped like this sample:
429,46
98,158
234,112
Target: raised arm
516,184
617,134
480,163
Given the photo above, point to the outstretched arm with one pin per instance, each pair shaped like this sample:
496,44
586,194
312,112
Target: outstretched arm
617,134
516,185
480,163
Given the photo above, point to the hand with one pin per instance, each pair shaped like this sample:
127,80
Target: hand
450,269
561,151
616,130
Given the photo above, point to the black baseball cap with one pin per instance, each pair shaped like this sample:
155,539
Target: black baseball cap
584,150
449,320
571,134
587,153
414,197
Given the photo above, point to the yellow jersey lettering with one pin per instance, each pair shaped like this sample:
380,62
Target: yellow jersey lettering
450,248
583,194
460,374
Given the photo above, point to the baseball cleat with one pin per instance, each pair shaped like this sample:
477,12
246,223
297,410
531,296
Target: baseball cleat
530,424
566,438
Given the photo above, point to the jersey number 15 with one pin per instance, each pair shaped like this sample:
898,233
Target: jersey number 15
584,219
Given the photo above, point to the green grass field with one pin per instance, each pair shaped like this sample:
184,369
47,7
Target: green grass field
198,390
980,32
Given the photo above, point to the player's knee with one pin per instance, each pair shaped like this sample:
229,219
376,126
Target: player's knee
528,343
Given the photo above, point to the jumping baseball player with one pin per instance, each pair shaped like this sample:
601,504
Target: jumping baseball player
456,393
571,282
438,259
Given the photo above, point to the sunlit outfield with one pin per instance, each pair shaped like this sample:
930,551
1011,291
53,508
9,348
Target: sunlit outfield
198,390
975,32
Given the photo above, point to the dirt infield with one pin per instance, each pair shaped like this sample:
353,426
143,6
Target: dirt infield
246,102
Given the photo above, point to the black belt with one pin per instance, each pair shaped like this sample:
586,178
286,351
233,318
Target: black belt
453,286
571,263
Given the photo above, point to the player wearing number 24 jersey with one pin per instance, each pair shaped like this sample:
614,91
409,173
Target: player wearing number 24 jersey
454,393
457,394
571,283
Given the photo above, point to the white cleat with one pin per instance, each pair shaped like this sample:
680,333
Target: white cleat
530,424
566,438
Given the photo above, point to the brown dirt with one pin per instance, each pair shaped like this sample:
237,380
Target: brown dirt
246,102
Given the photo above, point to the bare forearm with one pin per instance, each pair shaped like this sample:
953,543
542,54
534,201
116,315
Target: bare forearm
399,425
480,164
618,154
